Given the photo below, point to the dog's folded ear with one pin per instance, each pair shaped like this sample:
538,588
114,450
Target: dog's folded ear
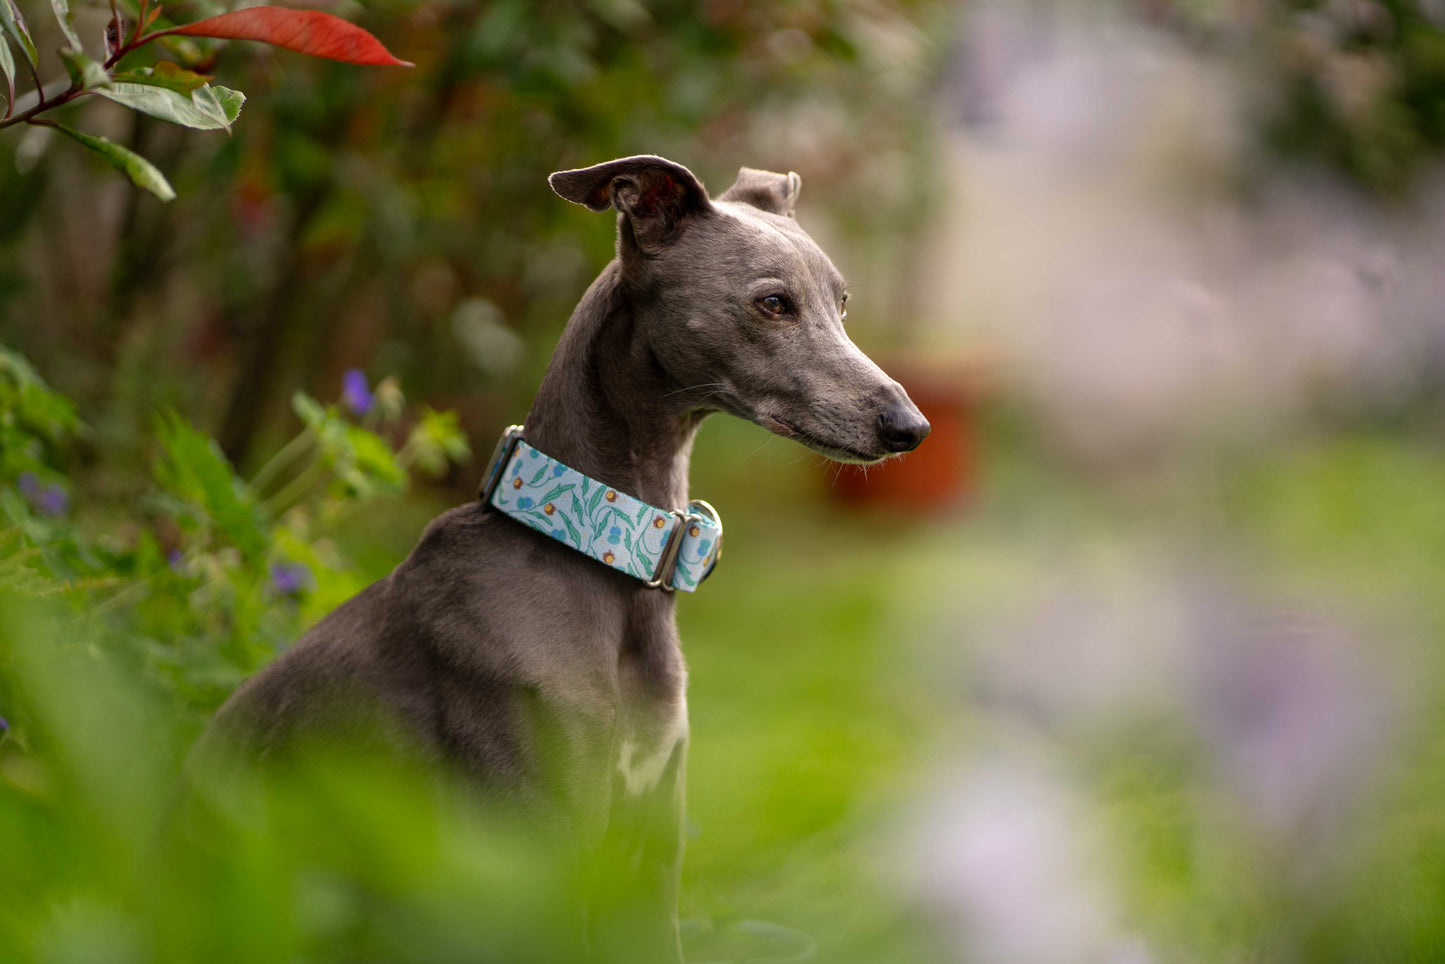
655,194
774,193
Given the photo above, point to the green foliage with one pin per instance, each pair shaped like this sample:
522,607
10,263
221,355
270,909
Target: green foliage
66,21
435,442
35,422
166,91
14,24
205,497
213,575
7,67
109,856
200,108
84,72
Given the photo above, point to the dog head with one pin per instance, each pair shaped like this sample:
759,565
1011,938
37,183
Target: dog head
742,309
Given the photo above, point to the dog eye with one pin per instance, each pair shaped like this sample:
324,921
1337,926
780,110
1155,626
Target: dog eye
773,304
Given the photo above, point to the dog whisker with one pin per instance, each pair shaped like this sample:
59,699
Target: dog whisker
693,388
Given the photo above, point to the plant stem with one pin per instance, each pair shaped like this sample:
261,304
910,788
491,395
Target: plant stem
44,105
294,491
140,20
118,27
125,595
73,92
268,472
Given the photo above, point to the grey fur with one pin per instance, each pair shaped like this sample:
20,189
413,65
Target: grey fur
528,667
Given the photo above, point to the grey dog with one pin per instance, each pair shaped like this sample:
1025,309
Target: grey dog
547,678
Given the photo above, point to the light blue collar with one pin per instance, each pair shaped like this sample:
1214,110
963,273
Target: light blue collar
666,548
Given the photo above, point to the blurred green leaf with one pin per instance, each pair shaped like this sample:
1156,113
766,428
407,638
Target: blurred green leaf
185,48
435,442
194,470
7,66
84,72
367,466
141,171
66,21
32,417
164,74
310,411
14,23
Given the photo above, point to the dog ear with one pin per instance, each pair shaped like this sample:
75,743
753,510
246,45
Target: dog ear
655,195
774,193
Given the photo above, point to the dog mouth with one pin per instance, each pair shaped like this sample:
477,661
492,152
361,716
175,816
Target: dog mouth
839,453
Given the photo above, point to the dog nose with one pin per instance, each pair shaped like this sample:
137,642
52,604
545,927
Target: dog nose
902,428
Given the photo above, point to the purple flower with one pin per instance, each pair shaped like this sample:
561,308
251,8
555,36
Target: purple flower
355,393
174,558
290,578
52,501
4,724
46,498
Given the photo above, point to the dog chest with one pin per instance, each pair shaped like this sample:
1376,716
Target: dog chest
647,744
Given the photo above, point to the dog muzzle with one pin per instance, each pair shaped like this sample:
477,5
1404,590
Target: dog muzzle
667,549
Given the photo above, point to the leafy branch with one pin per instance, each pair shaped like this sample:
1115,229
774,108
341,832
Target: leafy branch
167,90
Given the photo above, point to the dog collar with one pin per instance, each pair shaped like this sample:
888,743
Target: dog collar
666,548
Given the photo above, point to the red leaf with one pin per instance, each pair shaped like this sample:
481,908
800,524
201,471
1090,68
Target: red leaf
305,31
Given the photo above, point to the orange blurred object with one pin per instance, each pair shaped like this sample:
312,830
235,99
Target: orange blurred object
943,471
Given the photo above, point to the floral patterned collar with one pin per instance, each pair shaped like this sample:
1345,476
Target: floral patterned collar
666,548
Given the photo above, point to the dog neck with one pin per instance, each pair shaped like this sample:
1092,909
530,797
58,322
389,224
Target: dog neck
607,408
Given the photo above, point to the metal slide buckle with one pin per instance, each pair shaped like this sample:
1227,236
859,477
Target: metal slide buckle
501,455
667,562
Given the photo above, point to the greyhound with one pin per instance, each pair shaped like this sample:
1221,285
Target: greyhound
524,664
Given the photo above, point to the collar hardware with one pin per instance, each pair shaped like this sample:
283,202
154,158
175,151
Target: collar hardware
501,455
667,549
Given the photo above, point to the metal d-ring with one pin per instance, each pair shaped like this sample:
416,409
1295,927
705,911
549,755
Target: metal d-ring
715,519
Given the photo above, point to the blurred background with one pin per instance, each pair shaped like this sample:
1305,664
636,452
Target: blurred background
1138,659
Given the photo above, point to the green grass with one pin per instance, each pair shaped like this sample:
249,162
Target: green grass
834,658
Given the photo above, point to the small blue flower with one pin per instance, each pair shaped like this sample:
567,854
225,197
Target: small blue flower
703,547
557,470
53,501
614,535
290,578
355,393
46,498
559,535
525,502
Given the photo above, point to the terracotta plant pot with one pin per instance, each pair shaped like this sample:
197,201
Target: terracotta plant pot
943,471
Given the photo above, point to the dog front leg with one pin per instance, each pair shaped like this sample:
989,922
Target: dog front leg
636,880
568,788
